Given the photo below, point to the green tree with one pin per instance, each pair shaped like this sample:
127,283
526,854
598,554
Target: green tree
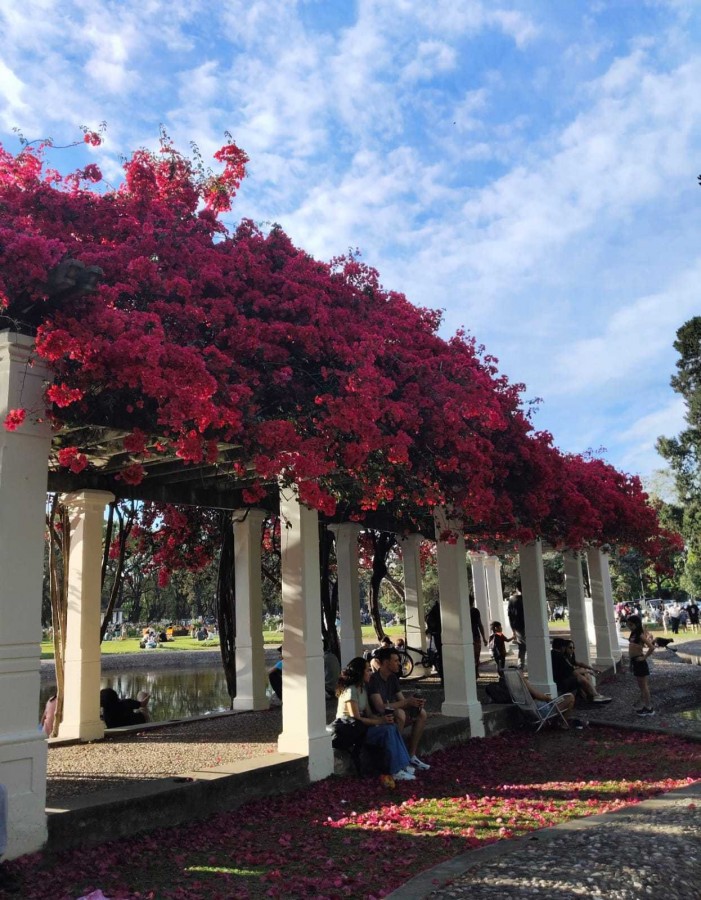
683,453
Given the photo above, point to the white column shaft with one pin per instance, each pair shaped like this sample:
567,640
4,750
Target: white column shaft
535,609
303,696
83,670
479,587
250,654
495,594
456,631
607,650
348,590
574,586
413,591
24,457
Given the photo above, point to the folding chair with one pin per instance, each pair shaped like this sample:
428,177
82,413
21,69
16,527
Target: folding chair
534,712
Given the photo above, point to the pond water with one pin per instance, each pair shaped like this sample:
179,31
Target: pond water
175,693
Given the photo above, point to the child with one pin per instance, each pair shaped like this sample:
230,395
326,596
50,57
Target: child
497,641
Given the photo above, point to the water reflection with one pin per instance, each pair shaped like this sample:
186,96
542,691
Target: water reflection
174,694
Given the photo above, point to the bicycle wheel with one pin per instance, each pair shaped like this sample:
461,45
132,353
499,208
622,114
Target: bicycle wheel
428,660
406,665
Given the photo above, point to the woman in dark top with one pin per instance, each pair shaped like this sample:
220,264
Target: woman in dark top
639,642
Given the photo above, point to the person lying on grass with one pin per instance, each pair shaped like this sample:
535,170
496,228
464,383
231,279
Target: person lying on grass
353,702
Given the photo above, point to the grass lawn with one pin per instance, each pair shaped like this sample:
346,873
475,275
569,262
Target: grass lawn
131,645
338,838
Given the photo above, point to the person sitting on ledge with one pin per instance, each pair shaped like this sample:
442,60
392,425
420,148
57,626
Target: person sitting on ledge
118,712
385,693
571,676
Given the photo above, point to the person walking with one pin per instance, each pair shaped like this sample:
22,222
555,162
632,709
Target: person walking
478,636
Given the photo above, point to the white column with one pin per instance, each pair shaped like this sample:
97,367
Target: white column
610,607
24,457
479,586
495,594
535,610
607,650
574,586
303,696
250,655
83,669
348,590
456,630
413,590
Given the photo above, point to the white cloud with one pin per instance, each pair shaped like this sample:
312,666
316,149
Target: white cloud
634,342
638,440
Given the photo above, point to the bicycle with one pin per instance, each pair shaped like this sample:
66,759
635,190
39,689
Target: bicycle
428,658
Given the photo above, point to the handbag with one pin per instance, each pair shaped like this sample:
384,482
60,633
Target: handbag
348,733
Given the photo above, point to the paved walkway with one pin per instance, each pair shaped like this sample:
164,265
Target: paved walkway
652,849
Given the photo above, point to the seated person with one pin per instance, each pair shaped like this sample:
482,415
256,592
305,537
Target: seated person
143,697
49,715
275,676
332,669
385,693
571,676
353,702
117,712
563,702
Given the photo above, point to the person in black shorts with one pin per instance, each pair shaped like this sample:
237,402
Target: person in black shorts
640,646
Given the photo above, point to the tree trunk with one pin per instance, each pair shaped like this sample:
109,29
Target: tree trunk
226,603
382,542
329,595
125,527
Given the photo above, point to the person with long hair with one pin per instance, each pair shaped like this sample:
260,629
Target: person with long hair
641,645
354,703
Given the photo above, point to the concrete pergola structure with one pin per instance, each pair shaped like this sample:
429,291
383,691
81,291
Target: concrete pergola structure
24,456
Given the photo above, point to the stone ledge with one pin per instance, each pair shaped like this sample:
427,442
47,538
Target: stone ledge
446,731
146,805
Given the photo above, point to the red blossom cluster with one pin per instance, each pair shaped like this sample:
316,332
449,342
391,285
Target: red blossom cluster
319,374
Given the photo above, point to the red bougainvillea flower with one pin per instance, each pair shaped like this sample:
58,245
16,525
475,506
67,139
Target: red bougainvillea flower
14,419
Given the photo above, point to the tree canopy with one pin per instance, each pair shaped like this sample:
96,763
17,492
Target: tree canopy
156,320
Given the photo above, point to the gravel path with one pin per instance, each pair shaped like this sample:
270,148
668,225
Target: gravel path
650,850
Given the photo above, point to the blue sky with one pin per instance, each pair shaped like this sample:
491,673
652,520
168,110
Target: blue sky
529,167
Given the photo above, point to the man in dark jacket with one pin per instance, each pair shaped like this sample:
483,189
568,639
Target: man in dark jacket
517,621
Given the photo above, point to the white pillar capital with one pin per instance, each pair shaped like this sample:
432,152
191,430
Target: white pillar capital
87,500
